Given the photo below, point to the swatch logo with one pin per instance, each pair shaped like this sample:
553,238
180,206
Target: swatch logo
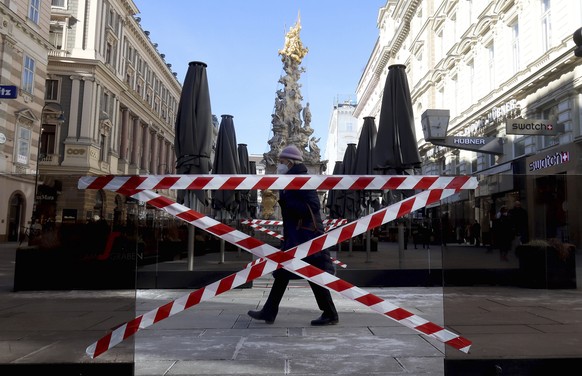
550,160
537,127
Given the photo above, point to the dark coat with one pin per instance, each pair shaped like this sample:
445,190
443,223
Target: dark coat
300,224
504,232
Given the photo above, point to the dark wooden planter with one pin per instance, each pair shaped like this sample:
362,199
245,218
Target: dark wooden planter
543,267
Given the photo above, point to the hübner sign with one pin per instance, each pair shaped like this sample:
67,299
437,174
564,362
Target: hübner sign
488,145
538,127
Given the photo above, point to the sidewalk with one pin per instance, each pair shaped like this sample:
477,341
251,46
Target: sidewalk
514,331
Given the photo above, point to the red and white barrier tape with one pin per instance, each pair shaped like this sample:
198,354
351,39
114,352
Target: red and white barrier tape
280,236
260,182
290,260
263,222
256,224
333,223
264,229
270,222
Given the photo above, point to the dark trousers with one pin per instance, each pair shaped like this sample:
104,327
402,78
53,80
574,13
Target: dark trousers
322,297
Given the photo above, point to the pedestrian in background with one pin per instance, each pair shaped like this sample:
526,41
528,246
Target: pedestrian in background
520,221
425,234
476,233
300,210
504,233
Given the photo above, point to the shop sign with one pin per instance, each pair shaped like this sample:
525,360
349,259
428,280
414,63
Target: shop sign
536,127
549,160
489,145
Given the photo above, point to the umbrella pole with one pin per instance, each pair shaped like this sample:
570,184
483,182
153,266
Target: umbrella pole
239,227
400,244
221,240
191,239
221,251
368,235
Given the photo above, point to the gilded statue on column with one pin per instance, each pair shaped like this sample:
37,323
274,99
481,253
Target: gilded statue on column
294,48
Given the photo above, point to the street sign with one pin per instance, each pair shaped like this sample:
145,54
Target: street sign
8,92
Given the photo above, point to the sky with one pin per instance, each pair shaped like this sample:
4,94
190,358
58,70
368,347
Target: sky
239,41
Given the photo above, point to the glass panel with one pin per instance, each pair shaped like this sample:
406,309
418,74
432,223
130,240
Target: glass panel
515,292
71,279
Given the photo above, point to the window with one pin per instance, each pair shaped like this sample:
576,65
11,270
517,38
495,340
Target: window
28,75
23,145
440,45
491,65
471,81
546,25
519,147
515,46
34,11
108,53
56,36
102,145
548,141
453,105
52,90
47,140
105,103
58,3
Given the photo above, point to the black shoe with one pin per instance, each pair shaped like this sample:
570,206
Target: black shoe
321,320
258,315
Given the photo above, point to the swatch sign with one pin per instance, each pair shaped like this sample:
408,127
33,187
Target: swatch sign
536,127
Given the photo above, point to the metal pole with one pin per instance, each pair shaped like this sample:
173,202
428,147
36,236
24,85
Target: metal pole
191,240
368,234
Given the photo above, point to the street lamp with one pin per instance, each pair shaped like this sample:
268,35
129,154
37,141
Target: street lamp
44,119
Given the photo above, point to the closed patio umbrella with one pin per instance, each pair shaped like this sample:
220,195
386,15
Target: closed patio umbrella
193,139
243,158
363,162
226,162
226,203
193,130
363,165
351,206
333,205
253,195
397,149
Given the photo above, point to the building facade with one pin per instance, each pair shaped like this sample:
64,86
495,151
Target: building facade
105,102
489,62
24,46
342,130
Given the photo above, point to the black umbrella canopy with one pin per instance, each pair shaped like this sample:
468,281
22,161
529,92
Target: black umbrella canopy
397,148
363,163
254,194
193,128
333,205
243,158
226,162
349,198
